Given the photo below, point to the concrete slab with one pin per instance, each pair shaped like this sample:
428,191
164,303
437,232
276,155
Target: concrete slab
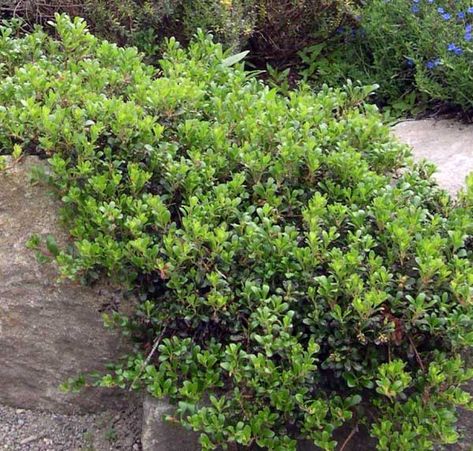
446,143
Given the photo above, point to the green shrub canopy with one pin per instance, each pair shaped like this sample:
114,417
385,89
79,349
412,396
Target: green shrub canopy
295,272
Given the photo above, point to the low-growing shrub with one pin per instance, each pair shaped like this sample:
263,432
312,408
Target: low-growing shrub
416,48
295,272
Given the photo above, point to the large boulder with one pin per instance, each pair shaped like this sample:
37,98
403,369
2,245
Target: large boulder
49,330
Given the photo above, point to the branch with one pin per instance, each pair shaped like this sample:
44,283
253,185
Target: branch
350,436
153,350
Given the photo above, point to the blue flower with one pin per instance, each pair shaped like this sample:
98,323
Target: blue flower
430,1
454,49
432,64
415,9
468,28
440,10
461,15
446,16
468,37
470,10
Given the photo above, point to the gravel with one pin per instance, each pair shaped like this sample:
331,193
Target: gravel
26,430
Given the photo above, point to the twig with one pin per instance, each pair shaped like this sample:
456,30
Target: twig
12,165
32,438
350,436
153,350
419,360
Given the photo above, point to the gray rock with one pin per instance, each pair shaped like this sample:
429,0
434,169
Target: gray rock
49,331
161,435
447,143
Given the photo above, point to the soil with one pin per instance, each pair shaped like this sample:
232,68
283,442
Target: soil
26,430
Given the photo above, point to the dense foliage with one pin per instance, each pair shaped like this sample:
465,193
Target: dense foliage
295,272
428,42
415,49
418,51
273,28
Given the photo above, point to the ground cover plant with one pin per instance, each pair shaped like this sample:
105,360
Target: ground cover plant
417,50
295,272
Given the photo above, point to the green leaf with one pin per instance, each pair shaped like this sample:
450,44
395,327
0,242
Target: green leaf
234,59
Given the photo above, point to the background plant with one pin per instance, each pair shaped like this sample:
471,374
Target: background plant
295,272
275,30
418,50
285,27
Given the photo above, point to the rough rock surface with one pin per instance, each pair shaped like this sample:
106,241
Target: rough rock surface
161,435
49,331
447,143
